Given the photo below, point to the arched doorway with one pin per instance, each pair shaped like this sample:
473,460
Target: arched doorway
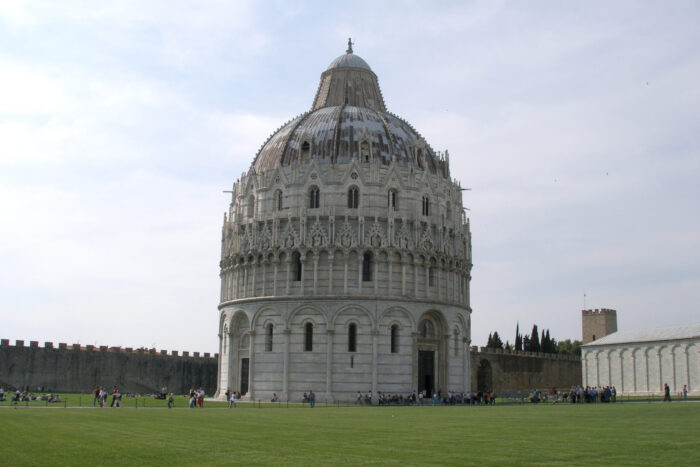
484,376
432,374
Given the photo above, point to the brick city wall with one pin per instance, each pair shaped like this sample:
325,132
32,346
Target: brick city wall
498,369
76,368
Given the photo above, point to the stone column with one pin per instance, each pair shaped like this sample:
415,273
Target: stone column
285,369
466,364
251,365
389,281
403,277
345,275
375,335
597,368
264,277
289,268
634,370
376,274
584,366
254,272
274,278
360,260
414,359
245,280
673,367
329,365
646,365
330,275
426,266
415,278
687,366
315,291
661,379
622,372
303,273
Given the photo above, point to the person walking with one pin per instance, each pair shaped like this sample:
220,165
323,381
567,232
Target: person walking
232,400
312,399
667,393
685,392
171,400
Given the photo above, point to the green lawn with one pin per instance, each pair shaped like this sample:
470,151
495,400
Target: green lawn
562,434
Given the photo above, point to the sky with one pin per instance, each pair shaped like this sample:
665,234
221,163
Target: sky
575,124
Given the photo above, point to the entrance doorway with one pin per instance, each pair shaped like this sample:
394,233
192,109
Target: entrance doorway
244,375
426,371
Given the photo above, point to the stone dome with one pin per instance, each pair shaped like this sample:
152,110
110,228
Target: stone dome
348,120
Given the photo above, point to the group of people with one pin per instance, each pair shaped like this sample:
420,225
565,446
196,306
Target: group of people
310,398
423,398
232,396
100,395
196,398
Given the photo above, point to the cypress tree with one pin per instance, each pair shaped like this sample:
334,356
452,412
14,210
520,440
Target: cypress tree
535,340
518,338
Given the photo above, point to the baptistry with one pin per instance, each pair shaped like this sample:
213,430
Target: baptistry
345,256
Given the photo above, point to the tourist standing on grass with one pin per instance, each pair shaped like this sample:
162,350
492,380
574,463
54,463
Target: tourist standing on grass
95,396
117,399
667,393
232,400
171,400
685,392
359,398
312,399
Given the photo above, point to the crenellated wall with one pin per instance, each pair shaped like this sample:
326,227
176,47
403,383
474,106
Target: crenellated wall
76,368
498,369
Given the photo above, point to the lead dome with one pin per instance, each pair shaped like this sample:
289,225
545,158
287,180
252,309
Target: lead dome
345,256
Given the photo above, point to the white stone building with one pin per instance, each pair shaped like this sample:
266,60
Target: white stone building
346,256
640,362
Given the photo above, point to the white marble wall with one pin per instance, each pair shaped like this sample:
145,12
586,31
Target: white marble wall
643,368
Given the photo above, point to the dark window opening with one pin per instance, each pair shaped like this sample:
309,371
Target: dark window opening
393,200
352,338
367,267
431,277
426,206
296,260
315,198
353,198
305,150
309,337
279,201
268,338
395,339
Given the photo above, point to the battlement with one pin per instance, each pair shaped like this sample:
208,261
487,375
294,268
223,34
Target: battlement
602,311
517,353
103,348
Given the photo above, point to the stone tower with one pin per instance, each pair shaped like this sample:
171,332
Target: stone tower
598,323
345,256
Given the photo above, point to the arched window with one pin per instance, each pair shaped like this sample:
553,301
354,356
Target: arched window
309,337
352,338
296,266
367,267
314,197
251,206
353,197
419,158
431,276
448,208
426,329
393,200
456,343
364,151
268,337
395,338
278,200
426,206
305,150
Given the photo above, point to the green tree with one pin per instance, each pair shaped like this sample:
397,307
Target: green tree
518,338
495,341
535,340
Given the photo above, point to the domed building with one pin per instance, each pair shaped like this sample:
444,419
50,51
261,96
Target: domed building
345,256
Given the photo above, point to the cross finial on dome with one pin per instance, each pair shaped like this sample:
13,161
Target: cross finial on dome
349,51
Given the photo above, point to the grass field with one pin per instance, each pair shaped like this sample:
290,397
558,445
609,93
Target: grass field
562,434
